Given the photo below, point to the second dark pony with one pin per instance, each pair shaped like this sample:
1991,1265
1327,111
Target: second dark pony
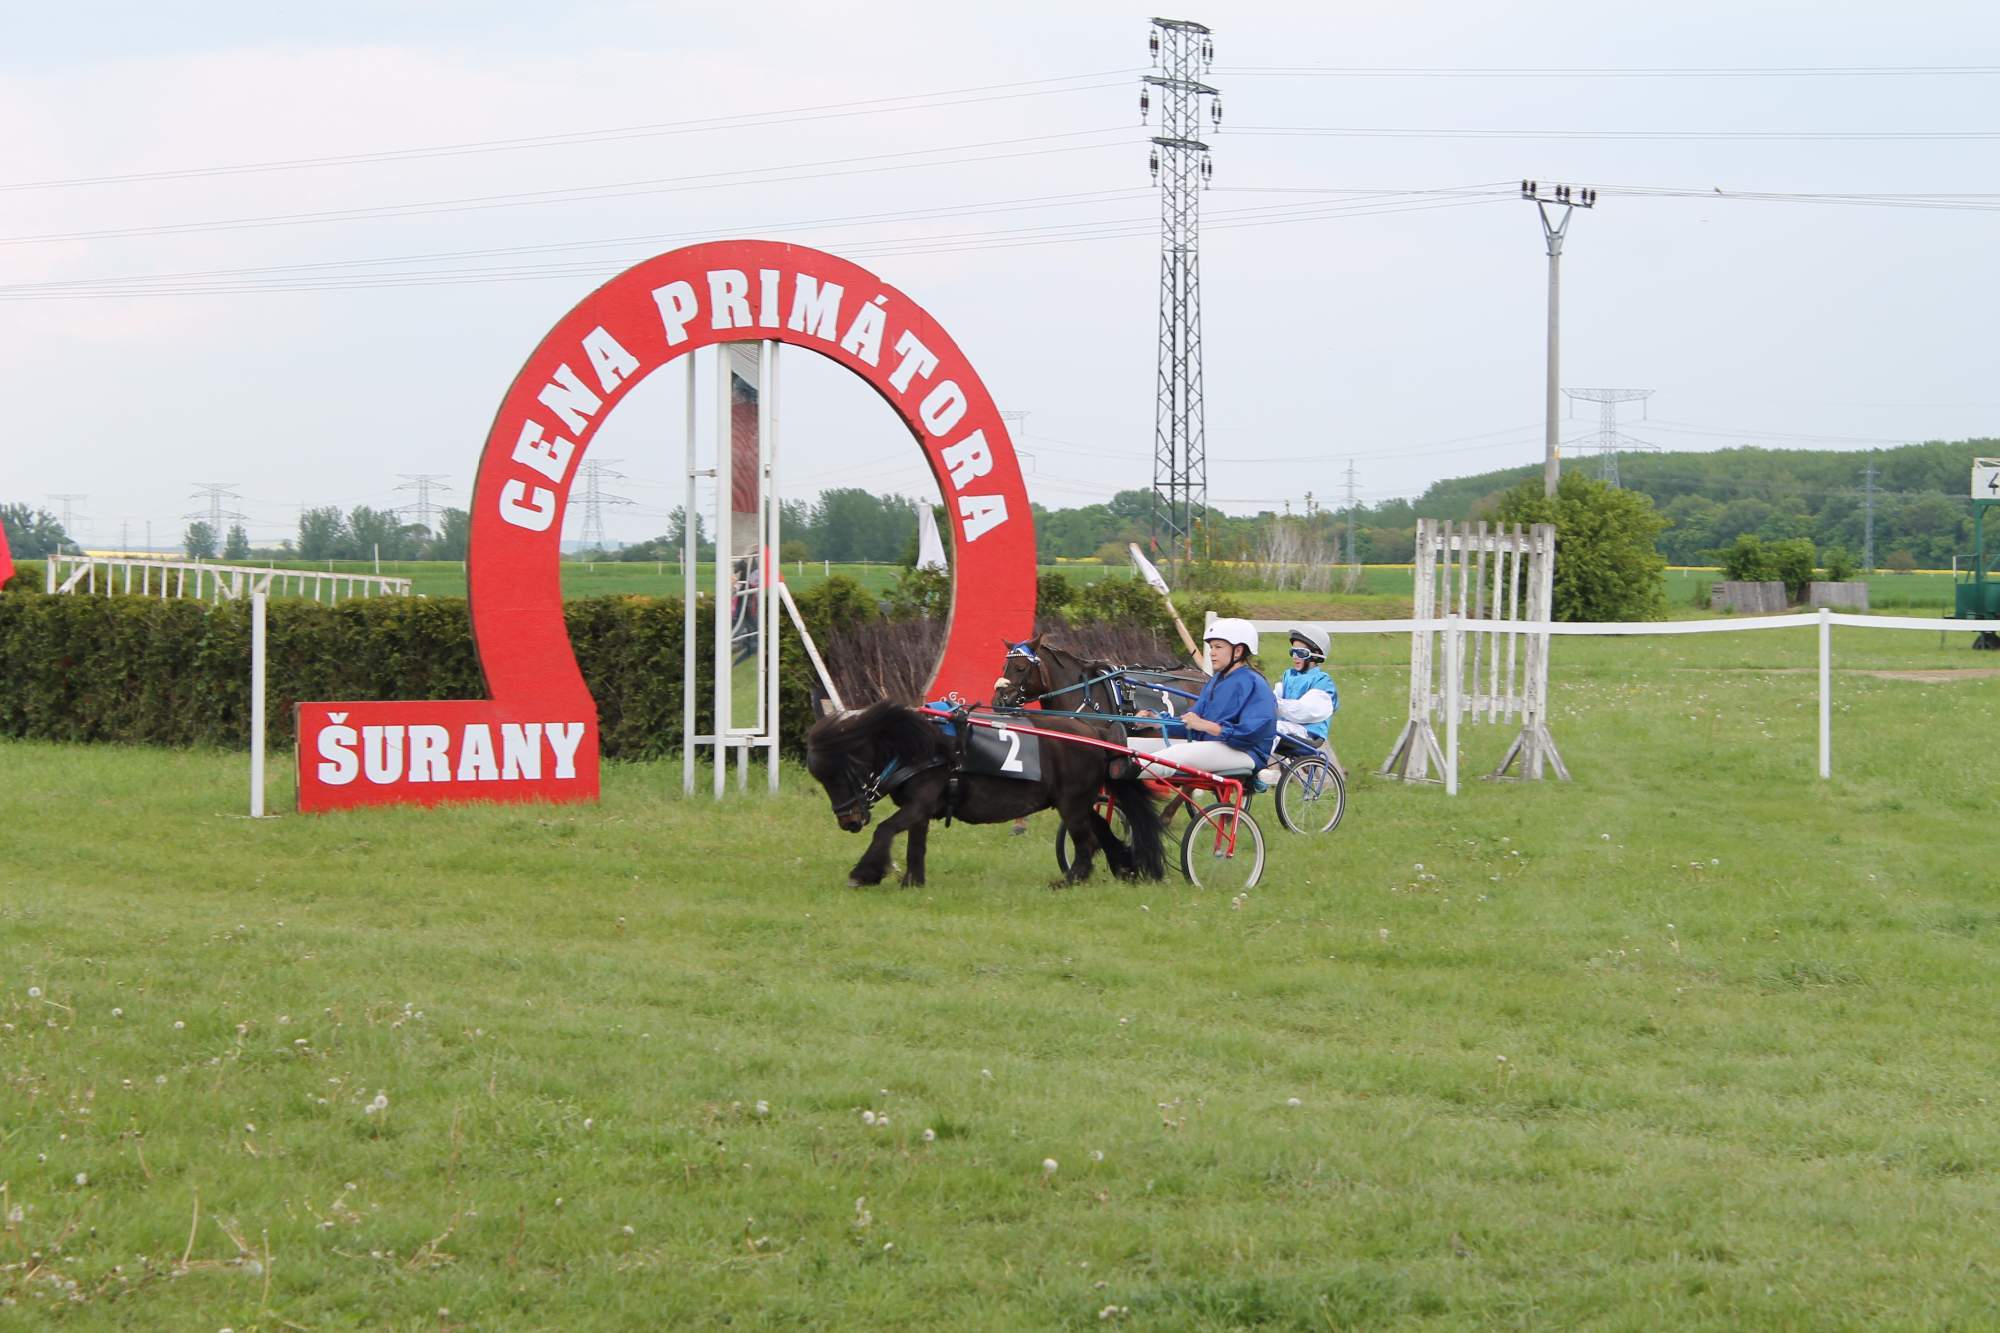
890,751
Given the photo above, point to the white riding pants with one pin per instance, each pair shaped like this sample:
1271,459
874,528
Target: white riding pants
1209,756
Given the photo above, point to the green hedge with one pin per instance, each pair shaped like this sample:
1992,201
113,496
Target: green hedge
167,672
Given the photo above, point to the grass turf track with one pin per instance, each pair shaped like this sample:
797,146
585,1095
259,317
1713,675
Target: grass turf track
1746,1019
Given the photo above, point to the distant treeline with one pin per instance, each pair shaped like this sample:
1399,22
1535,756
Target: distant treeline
1922,516
1922,512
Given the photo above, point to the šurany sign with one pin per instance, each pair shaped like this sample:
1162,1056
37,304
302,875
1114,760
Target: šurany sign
535,737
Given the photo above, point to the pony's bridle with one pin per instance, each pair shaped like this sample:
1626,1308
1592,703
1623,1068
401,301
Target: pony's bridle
869,790
1021,652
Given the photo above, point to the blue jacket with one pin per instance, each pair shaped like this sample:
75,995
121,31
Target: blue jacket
1241,700
1298,684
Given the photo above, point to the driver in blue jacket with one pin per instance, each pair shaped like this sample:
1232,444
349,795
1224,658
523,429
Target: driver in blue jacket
1233,724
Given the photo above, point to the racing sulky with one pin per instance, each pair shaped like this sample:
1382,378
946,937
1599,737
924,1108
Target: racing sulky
934,766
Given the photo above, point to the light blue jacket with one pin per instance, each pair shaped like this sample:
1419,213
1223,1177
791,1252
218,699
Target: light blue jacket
1298,684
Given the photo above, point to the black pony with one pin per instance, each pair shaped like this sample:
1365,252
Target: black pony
889,750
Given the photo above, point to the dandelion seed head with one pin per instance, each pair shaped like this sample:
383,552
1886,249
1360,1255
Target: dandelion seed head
34,992
83,1177
118,1013
1050,1166
1293,1101
930,1136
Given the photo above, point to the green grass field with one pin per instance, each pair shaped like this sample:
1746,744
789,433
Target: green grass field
1695,1041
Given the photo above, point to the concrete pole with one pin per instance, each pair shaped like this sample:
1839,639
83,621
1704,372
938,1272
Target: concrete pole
1551,461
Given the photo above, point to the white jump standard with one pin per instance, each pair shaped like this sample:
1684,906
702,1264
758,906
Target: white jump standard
1493,584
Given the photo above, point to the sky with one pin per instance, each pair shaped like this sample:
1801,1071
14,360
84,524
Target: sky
300,251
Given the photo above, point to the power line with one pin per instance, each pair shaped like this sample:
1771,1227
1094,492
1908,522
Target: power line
999,238
615,134
1015,204
595,193
1617,136
1609,71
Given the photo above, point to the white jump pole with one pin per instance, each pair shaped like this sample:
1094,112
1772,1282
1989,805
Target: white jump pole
768,568
724,497
1825,692
257,603
1452,648
690,528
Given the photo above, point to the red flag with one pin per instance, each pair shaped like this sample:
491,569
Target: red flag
6,560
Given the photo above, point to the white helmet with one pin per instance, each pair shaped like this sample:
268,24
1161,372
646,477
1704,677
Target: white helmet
1231,630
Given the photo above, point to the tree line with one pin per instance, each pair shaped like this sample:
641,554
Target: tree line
1711,501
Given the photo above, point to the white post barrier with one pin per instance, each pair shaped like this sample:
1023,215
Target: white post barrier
257,602
1531,629
1825,692
1453,646
690,527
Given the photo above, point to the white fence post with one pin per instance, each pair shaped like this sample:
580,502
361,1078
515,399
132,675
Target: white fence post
1825,692
257,604
1452,648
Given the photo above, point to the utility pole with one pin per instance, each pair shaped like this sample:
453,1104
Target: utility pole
1868,520
1351,512
1182,52
1609,440
594,473
1569,200
422,483
69,503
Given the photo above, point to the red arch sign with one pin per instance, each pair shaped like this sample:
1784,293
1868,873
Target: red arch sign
535,737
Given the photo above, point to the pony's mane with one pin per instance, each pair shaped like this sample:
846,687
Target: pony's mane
896,730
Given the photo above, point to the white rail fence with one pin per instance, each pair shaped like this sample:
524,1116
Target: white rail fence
211,583
1455,628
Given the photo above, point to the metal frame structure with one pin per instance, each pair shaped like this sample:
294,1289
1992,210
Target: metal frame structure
1482,582
1610,440
1182,51
761,584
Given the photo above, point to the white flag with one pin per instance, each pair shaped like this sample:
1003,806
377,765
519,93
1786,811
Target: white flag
930,546
1147,572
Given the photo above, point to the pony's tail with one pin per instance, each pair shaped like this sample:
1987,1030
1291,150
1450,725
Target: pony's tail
1142,816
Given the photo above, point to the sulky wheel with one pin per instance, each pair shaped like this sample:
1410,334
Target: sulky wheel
1311,796
1206,857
